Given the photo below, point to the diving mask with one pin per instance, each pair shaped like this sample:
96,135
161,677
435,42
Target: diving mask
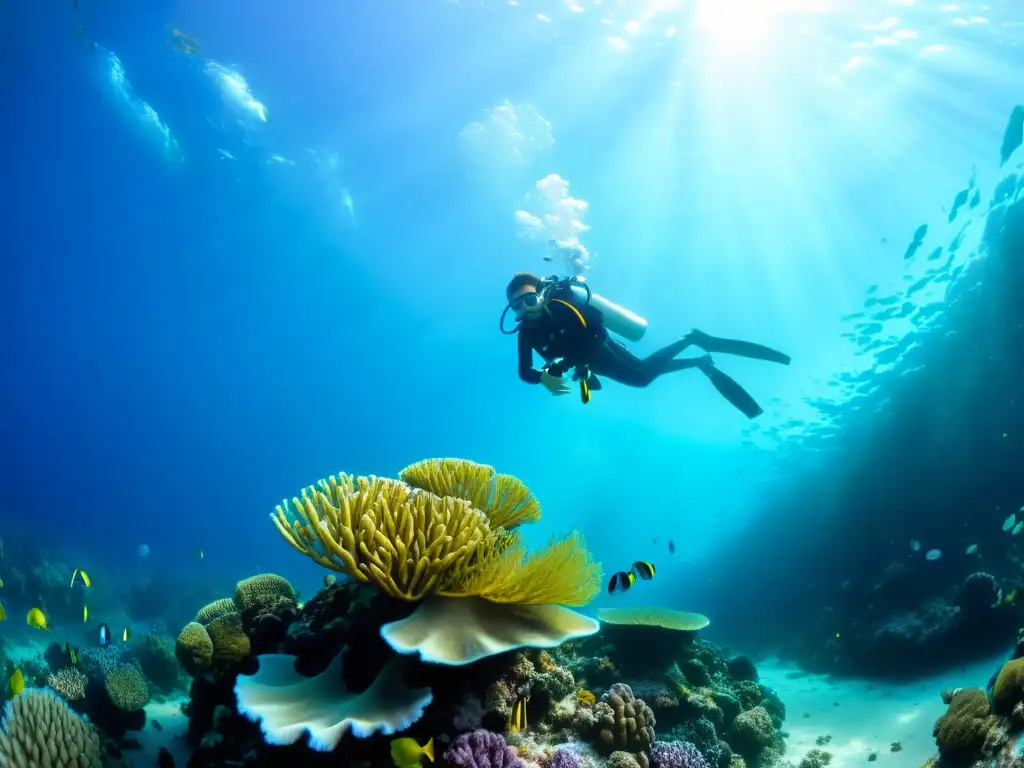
525,304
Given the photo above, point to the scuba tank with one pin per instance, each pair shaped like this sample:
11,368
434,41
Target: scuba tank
618,320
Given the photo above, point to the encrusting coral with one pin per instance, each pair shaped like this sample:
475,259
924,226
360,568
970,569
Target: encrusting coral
40,730
446,531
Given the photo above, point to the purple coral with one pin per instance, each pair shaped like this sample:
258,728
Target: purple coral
566,758
676,754
482,749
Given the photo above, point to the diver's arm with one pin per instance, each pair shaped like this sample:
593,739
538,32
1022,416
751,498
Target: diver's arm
526,370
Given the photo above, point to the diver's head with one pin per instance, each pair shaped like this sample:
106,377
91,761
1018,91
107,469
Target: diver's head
524,295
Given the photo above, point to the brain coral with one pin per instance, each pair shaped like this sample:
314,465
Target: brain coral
215,610
751,732
624,722
194,648
262,590
127,688
1009,687
39,730
968,729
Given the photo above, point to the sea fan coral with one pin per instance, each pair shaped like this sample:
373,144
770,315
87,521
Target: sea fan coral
39,729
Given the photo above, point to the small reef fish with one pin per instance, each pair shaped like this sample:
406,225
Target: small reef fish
405,752
3,612
85,613
671,547
915,545
517,717
933,554
643,570
126,634
17,683
620,582
201,555
1009,522
84,576
71,653
972,549
37,620
1017,529
104,635
1011,598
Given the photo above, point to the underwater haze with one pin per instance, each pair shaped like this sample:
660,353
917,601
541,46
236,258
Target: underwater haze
252,245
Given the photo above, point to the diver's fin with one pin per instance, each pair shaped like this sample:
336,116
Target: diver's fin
736,347
733,392
594,383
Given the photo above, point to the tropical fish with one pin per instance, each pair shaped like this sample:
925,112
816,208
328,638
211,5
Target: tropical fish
85,577
620,582
405,752
643,569
104,635
71,653
972,549
1009,522
933,554
3,612
1011,598
517,717
671,547
1017,529
85,613
17,682
201,555
37,620
126,634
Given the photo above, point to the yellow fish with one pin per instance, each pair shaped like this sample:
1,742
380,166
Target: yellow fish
71,653
517,717
1012,597
37,620
85,577
85,613
405,752
3,613
126,634
17,682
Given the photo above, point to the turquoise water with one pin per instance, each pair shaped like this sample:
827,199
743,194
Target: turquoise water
249,246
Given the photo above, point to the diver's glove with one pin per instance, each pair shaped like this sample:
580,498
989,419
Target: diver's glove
554,384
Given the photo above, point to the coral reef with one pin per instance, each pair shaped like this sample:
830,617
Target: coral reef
482,749
38,724
968,730
676,754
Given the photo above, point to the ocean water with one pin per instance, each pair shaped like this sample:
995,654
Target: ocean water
250,245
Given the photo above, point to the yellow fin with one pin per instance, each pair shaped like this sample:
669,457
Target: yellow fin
36,619
17,683
428,749
85,578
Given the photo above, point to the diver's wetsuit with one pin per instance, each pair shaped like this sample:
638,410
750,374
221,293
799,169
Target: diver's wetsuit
574,331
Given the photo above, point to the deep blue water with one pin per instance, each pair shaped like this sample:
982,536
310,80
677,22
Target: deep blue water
196,328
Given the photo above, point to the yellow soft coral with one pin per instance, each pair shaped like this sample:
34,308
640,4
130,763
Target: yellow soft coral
413,542
505,499
585,697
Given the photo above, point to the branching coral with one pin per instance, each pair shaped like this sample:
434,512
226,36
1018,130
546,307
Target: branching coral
69,682
40,730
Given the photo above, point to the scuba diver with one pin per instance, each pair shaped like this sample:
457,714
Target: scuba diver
570,327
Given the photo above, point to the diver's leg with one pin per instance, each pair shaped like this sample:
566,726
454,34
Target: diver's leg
736,347
612,360
668,352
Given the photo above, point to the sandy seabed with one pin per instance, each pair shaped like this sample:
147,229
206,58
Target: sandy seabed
867,716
